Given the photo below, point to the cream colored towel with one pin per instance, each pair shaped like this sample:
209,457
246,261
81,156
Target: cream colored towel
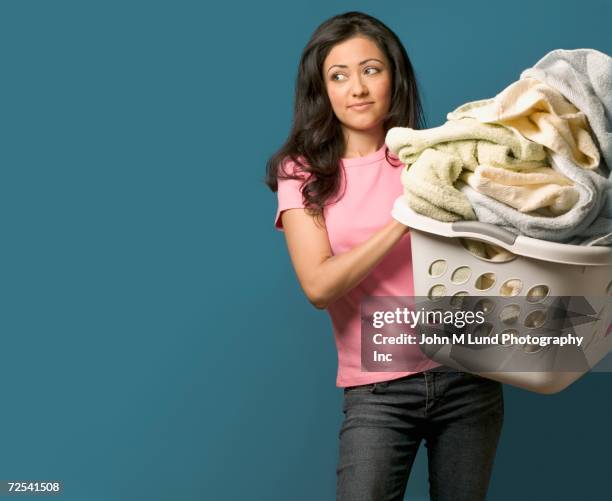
539,113
539,189
473,142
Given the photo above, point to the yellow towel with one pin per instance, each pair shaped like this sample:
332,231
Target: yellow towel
539,113
538,189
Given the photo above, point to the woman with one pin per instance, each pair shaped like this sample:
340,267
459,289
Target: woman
336,185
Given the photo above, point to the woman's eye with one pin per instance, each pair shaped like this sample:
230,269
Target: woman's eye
338,77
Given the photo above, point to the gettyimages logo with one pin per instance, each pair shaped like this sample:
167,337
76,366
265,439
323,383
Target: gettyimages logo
486,333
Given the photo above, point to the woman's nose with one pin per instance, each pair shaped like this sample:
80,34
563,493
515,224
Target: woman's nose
359,87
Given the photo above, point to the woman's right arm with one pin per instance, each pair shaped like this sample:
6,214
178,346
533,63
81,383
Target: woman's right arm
323,276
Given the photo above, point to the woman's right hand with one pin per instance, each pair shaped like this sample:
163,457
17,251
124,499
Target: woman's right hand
323,276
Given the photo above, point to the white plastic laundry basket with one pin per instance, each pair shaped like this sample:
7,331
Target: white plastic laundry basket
537,271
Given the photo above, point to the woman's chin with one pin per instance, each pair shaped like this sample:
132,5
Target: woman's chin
369,126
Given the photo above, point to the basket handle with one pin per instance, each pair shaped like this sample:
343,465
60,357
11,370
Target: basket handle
485,229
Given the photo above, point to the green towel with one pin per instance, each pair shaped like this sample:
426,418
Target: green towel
428,187
473,142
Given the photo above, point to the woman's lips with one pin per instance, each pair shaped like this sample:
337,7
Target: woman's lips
359,107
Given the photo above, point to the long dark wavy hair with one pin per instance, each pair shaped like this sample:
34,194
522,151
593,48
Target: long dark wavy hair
316,135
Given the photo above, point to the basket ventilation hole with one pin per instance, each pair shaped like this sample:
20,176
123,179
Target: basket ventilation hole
510,314
532,348
486,251
483,329
485,281
535,319
511,287
436,316
513,332
436,292
461,275
537,293
437,268
485,305
457,299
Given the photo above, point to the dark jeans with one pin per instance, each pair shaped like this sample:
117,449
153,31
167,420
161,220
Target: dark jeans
459,416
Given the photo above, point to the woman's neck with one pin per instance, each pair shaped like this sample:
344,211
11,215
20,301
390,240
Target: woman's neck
362,143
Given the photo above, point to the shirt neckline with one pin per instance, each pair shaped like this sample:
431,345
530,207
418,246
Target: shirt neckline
367,159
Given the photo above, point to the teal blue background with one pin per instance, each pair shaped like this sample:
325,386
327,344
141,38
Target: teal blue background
155,342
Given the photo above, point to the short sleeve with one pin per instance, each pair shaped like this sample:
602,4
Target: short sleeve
289,195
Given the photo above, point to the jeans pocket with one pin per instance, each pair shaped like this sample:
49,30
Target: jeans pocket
357,395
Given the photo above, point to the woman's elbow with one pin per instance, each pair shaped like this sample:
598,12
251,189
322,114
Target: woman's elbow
318,304
316,297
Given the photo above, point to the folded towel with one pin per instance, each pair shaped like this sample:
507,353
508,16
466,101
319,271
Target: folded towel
540,189
429,190
475,143
576,222
540,113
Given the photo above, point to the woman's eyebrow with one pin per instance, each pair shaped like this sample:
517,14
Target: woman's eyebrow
362,62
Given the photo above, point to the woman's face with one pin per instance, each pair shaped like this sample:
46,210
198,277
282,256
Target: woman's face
357,71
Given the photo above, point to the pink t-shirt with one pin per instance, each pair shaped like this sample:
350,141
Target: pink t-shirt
372,185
